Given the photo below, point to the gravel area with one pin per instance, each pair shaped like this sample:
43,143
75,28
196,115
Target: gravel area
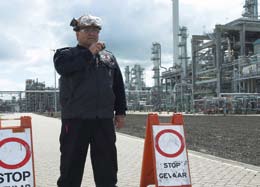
231,137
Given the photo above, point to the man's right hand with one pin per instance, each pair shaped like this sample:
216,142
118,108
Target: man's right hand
96,47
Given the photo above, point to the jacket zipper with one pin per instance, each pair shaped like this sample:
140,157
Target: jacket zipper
97,62
97,88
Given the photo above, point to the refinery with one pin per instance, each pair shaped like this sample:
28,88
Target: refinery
221,75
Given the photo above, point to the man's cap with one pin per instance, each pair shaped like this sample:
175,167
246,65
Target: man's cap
86,21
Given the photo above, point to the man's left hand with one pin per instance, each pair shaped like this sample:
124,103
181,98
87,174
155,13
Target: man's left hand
119,121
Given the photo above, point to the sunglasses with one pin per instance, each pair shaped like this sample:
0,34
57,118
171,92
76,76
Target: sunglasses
90,30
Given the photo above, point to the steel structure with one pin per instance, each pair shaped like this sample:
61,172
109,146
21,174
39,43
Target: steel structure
228,60
251,9
40,98
226,63
35,98
137,94
176,80
175,28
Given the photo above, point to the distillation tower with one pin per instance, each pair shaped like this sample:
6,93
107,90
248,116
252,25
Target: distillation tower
138,95
175,82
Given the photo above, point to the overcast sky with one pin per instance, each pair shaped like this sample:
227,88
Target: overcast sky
30,29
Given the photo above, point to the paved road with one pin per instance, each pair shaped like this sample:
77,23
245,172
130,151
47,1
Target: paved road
206,170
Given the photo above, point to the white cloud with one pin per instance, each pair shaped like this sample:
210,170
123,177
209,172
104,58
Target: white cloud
202,15
11,85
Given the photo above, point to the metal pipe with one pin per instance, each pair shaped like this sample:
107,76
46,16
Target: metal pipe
160,57
175,26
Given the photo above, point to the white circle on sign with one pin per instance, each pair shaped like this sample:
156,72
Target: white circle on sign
169,143
12,153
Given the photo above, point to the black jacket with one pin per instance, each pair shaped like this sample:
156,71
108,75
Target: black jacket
90,86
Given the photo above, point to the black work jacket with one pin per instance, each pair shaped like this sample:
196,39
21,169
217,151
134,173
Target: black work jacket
90,86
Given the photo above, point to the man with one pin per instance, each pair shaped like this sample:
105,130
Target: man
91,96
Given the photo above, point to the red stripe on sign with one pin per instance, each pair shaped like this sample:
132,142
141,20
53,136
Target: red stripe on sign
172,132
26,158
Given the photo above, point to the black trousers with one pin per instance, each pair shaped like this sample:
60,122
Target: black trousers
75,138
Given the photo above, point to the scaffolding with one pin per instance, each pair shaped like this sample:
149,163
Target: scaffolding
176,80
137,94
227,61
39,98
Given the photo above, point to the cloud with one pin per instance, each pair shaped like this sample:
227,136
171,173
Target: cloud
136,25
202,16
11,85
9,48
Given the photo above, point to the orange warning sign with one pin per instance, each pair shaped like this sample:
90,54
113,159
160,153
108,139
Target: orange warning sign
165,158
16,150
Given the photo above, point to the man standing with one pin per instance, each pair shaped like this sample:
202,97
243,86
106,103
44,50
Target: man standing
92,98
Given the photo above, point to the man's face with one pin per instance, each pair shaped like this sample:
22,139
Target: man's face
88,35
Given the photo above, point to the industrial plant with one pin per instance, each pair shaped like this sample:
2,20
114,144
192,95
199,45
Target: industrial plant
36,98
221,75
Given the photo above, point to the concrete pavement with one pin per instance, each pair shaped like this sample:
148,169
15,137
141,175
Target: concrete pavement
206,170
